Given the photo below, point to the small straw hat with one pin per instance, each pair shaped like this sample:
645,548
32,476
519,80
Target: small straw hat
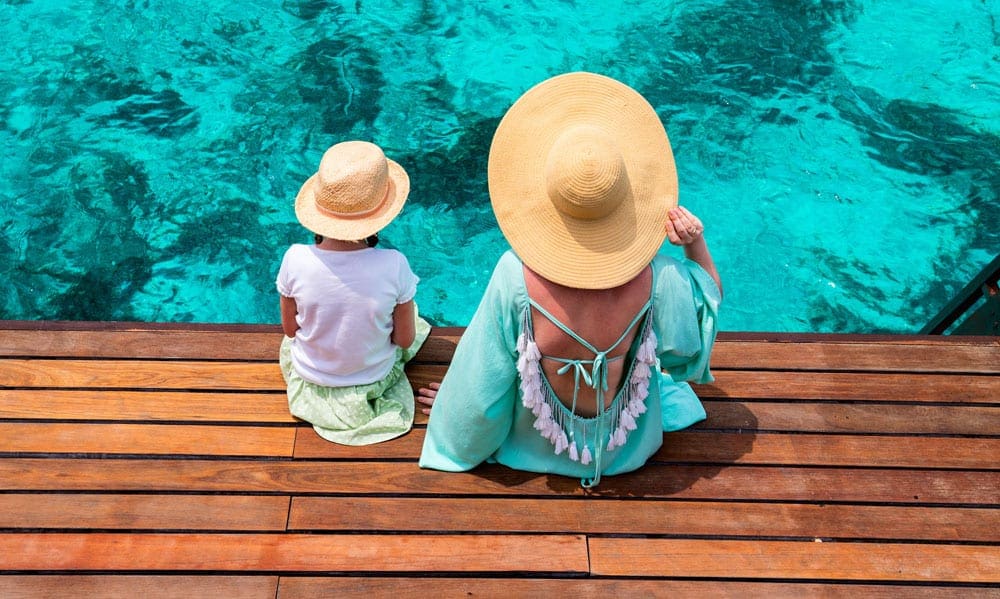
581,176
356,192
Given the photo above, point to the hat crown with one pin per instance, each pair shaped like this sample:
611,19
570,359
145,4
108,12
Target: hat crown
353,179
585,173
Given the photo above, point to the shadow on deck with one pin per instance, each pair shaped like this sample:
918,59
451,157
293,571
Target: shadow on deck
160,460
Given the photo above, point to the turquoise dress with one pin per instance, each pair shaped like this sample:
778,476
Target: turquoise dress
495,404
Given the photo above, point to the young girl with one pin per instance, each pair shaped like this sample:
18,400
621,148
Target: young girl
347,307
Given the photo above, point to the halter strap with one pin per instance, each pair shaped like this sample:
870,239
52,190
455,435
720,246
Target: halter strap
596,378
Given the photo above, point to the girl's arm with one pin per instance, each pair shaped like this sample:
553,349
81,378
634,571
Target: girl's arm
288,311
404,324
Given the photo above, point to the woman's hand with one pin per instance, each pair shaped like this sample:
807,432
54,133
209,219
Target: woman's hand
426,396
683,228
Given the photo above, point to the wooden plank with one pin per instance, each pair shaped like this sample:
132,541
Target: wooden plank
163,344
795,560
830,450
943,388
189,342
795,351
98,404
143,512
740,448
139,374
860,353
421,588
309,445
823,386
723,482
144,406
851,418
252,552
653,517
126,586
154,439
126,374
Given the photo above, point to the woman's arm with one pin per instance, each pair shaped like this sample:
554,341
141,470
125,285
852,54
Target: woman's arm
289,309
685,229
404,324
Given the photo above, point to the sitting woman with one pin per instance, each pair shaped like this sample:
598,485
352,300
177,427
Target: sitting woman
561,368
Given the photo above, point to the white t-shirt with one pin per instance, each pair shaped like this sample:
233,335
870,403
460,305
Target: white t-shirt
345,302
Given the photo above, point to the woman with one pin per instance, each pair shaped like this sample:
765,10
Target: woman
560,368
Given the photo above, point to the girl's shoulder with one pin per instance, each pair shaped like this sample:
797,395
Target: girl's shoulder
295,251
388,255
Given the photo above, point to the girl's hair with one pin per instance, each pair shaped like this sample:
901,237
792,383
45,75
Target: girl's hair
371,241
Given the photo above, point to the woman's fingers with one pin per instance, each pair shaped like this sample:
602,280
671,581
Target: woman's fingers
682,226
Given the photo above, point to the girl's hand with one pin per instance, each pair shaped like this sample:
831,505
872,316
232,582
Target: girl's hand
426,396
683,228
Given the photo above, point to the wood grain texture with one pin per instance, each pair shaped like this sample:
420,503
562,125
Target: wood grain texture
676,518
420,588
653,481
831,450
161,460
129,586
176,341
292,552
908,354
149,439
819,417
795,560
141,374
742,448
850,386
145,406
143,512
205,375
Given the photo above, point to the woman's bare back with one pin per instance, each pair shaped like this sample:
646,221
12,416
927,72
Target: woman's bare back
598,315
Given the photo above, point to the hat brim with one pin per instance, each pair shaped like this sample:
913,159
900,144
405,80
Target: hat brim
586,254
348,228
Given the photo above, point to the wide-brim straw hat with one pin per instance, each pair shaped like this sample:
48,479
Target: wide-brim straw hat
581,178
356,192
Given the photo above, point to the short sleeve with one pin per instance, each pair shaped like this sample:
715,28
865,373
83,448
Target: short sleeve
284,280
407,281
474,408
686,309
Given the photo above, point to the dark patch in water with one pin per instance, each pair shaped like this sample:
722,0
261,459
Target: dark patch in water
104,292
91,258
92,78
930,140
851,276
341,81
762,48
163,113
221,234
308,10
456,176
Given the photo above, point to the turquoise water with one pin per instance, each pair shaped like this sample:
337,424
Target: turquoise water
843,154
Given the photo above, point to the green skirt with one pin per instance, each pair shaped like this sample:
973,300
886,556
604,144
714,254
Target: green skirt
360,414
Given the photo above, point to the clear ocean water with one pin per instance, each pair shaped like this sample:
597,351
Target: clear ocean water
845,155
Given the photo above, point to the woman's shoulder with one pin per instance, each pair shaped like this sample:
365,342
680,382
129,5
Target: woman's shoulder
509,262
670,272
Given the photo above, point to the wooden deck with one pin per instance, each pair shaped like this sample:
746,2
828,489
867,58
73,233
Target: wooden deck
160,460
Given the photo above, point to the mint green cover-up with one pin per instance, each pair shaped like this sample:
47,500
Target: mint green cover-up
479,414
